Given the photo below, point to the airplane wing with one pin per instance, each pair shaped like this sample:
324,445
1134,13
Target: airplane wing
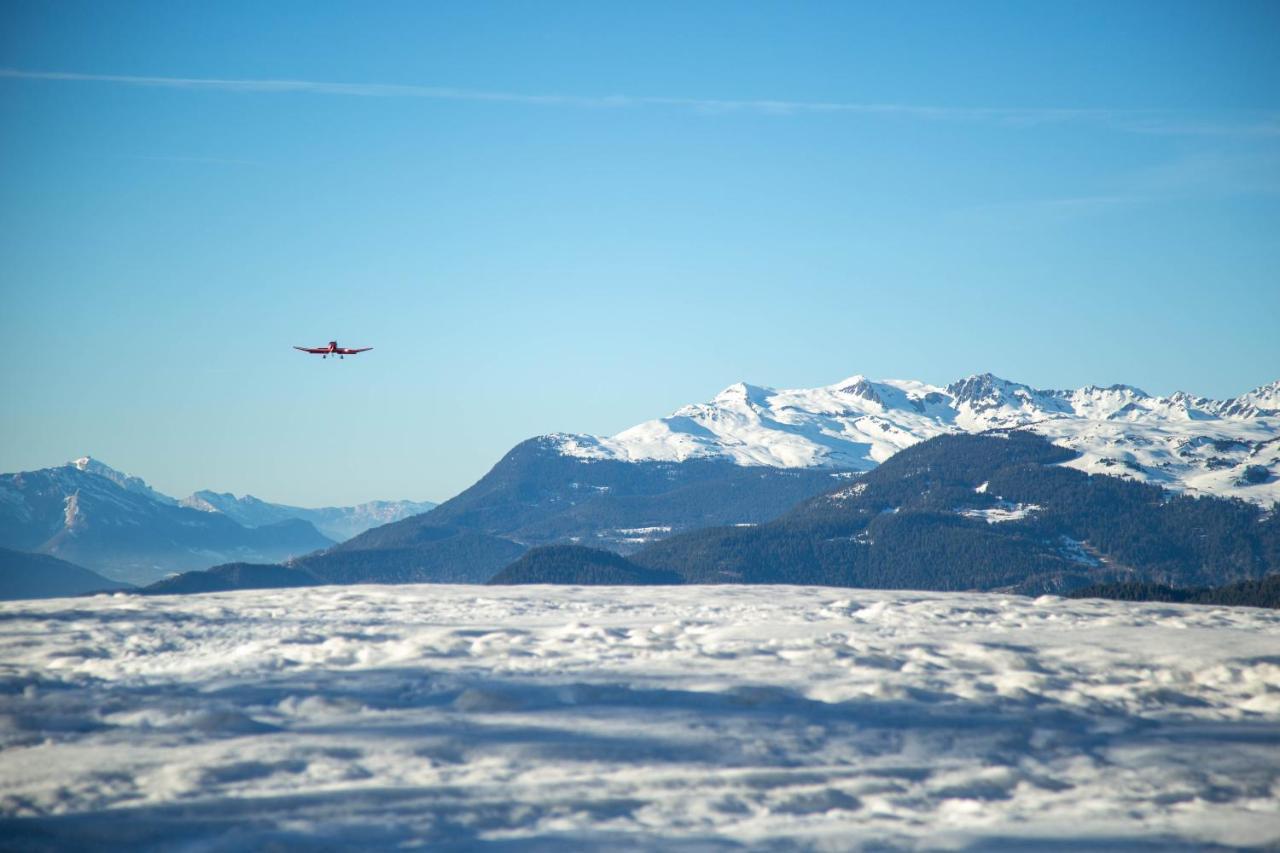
313,350
348,351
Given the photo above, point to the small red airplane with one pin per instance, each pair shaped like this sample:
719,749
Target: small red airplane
333,349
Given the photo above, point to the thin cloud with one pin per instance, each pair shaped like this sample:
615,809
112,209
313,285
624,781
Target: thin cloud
216,161
1062,207
1133,121
1201,176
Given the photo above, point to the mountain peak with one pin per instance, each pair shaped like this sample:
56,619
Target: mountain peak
89,465
741,392
1117,388
860,386
1270,388
1268,394
1262,401
987,391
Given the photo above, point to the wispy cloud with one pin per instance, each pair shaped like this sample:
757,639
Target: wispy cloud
1054,208
215,161
1134,121
1199,177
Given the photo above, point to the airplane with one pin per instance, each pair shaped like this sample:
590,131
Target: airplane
333,349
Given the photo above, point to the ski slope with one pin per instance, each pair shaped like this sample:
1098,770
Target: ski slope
685,718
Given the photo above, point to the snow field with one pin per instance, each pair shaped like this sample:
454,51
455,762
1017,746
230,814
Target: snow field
636,718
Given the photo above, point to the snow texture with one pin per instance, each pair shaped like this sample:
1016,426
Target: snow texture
1181,442
1004,511
684,718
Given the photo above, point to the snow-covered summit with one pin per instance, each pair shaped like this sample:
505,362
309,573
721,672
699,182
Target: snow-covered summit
1222,447
128,482
1263,401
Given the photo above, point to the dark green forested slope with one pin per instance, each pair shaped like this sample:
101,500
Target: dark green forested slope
920,521
231,576
1251,593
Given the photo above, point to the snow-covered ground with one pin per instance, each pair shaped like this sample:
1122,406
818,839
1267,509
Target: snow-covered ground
676,718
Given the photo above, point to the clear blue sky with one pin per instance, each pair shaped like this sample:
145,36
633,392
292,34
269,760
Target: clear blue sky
574,217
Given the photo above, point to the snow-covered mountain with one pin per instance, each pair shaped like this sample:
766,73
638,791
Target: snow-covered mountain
103,519
1193,444
89,514
339,523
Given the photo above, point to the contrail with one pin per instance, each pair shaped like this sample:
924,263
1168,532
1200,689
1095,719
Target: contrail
1132,120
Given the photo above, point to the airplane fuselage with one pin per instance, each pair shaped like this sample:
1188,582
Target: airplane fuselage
333,349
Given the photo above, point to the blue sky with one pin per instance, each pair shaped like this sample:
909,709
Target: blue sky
574,217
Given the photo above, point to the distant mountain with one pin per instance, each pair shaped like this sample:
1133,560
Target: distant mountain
338,523
753,453
991,512
536,495
1228,448
24,575
116,525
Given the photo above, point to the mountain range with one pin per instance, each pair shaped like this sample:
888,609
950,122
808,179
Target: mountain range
999,511
112,523
747,458
1228,448
537,495
338,523
752,453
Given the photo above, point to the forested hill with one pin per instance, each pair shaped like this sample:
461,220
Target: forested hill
574,564
990,512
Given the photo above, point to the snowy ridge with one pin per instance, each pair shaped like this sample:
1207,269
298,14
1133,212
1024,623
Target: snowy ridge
1187,443
129,483
337,522
637,718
